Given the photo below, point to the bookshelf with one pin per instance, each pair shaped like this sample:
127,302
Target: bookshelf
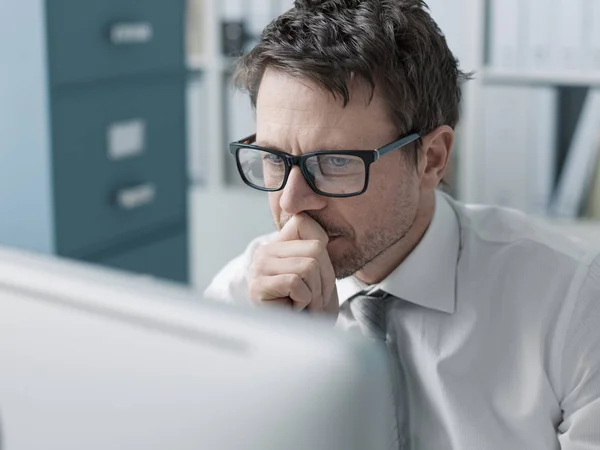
490,72
224,216
529,77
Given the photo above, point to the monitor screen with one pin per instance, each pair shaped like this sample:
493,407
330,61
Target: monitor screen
97,359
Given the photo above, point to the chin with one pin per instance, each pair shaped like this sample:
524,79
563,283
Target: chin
342,257
336,247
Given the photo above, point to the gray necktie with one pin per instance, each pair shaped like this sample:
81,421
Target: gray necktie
370,312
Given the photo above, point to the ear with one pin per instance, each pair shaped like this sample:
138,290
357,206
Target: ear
435,154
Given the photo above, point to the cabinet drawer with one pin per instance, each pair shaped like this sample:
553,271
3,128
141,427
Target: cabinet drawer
163,258
119,160
97,39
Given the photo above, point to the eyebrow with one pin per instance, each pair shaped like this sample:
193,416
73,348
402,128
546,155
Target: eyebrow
267,144
270,146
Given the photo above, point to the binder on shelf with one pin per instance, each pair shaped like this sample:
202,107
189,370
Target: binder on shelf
593,200
233,27
543,146
505,36
540,21
518,145
197,129
260,14
438,9
449,16
568,35
194,29
577,174
284,6
593,35
504,139
239,123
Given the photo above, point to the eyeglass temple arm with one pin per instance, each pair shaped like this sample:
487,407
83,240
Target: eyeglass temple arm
244,141
248,140
396,145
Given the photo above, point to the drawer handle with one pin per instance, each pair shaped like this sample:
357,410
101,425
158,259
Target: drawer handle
136,197
129,33
126,139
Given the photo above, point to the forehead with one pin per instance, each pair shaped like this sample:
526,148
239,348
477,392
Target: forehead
296,112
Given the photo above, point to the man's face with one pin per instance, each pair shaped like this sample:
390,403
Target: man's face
296,116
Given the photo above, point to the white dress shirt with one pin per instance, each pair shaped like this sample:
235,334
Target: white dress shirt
498,331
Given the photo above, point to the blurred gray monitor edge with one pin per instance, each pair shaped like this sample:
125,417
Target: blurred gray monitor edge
97,359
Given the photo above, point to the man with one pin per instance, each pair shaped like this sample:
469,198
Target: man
492,322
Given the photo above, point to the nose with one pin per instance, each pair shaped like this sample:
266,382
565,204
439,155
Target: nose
298,197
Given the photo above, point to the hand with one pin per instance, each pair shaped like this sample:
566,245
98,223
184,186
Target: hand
295,269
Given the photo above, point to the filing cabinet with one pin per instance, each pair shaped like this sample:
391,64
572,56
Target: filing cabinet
100,193
95,40
159,257
106,180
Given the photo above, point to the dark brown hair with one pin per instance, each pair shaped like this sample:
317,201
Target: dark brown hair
393,45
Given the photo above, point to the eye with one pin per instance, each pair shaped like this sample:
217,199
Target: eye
272,158
337,161
337,165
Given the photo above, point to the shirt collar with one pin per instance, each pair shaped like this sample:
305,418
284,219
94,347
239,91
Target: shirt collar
427,277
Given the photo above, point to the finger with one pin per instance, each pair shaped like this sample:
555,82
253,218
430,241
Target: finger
277,287
333,307
285,303
291,249
307,268
309,229
302,227
307,249
328,286
289,232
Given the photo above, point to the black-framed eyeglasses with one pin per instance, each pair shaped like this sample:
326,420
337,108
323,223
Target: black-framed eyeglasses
329,173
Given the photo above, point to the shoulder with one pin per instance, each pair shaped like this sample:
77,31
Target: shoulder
230,285
531,265
494,229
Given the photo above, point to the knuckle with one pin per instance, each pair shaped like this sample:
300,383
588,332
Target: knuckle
311,266
255,290
294,280
255,269
260,263
261,251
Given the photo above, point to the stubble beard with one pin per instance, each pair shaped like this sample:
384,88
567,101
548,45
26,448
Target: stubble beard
370,247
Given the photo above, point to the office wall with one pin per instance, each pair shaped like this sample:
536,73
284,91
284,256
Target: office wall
222,224
25,214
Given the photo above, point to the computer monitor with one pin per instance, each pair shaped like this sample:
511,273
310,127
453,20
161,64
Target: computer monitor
96,359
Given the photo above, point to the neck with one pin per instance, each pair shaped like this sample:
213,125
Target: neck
378,269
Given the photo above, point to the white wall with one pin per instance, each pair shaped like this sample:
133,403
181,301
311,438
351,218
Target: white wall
222,224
